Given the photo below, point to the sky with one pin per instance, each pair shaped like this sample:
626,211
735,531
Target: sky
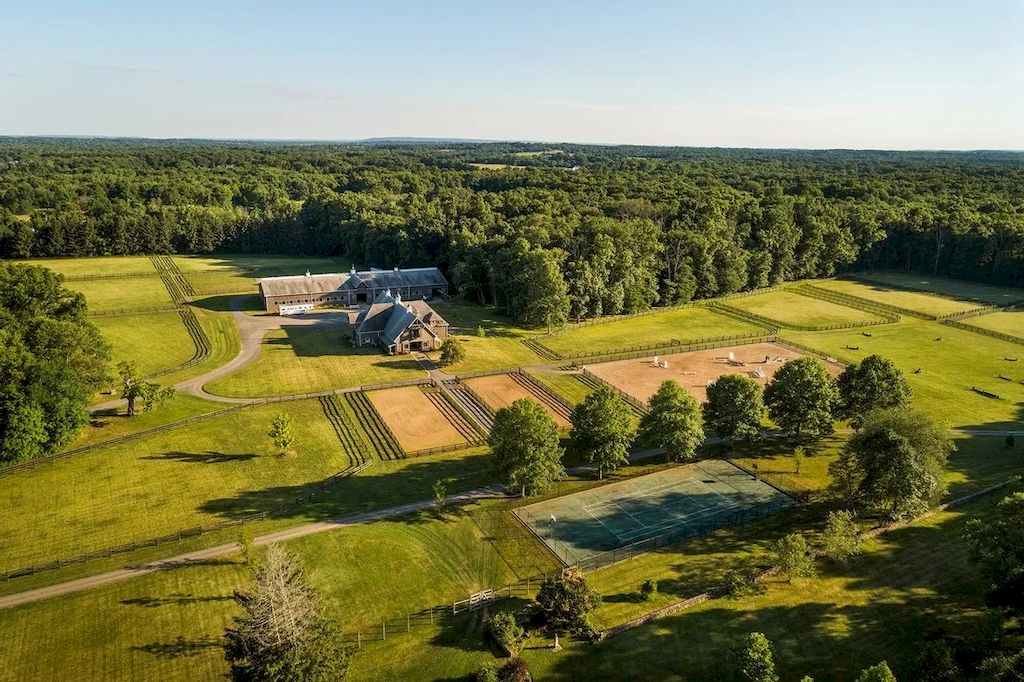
899,74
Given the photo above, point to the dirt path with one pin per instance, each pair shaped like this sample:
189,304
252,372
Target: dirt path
251,330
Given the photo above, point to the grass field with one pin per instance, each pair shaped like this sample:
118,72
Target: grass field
568,386
238,273
153,341
949,368
111,424
901,298
117,294
306,360
956,288
682,324
168,625
791,308
501,347
1006,322
104,265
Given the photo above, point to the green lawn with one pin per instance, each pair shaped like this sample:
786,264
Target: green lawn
1006,322
153,341
238,273
568,386
104,265
501,347
682,324
218,469
114,423
949,368
122,294
791,308
307,360
901,298
956,288
221,330
168,625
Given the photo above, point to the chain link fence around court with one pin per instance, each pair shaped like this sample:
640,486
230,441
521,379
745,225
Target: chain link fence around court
570,556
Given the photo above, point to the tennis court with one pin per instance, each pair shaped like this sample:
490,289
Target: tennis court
606,524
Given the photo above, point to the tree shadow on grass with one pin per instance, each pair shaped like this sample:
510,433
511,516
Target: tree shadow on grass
175,600
223,303
375,488
180,647
208,457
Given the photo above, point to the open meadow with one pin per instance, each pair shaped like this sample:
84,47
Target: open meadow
128,293
100,266
232,273
154,341
791,308
918,301
310,359
1005,322
683,325
954,288
942,365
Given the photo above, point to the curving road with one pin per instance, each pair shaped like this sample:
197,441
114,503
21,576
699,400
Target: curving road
251,330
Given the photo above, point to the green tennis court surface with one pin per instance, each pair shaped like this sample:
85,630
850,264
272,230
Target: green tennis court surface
606,524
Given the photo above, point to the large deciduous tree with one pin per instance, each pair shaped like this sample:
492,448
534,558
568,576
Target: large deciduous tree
603,430
801,397
997,547
567,600
282,634
894,463
525,446
52,359
673,422
874,383
734,407
753,659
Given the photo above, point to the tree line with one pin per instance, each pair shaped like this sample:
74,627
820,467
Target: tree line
566,232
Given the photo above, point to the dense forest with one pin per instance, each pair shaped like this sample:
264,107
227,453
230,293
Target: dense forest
546,232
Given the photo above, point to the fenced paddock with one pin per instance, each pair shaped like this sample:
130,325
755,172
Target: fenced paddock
603,525
501,390
640,377
419,420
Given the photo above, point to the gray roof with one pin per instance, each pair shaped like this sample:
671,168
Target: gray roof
391,316
293,285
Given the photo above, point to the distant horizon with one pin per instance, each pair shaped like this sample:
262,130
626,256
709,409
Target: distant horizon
415,139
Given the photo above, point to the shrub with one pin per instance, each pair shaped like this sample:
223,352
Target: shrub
487,673
841,537
481,332
793,557
649,589
740,583
753,659
506,630
514,671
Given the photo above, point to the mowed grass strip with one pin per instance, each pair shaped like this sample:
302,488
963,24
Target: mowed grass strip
130,293
169,625
500,347
788,307
901,298
682,324
567,386
97,266
957,288
1005,322
306,360
950,361
214,470
152,341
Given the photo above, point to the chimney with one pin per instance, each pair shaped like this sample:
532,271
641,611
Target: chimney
398,297
307,273
396,268
352,271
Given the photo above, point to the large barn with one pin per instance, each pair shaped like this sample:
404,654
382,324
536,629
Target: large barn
302,292
398,326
